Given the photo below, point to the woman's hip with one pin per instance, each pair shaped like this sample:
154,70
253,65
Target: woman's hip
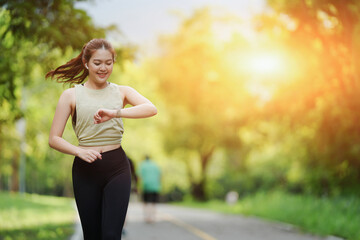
111,161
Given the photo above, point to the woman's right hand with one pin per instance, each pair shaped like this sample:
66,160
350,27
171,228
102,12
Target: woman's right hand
89,155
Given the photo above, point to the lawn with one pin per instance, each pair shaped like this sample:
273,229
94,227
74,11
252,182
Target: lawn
31,216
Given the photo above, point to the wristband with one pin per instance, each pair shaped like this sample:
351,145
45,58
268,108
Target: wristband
118,113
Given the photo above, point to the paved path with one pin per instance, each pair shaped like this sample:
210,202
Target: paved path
180,223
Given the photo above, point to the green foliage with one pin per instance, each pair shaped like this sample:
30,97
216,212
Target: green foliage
337,216
55,23
32,216
29,24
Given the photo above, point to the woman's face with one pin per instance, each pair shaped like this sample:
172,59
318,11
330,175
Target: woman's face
100,66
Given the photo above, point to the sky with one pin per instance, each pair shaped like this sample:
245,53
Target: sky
142,21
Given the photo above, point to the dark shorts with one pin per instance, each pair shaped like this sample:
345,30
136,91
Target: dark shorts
151,197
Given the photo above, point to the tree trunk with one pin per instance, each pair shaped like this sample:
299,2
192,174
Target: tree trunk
198,189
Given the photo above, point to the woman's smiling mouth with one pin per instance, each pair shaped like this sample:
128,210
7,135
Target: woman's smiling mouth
102,75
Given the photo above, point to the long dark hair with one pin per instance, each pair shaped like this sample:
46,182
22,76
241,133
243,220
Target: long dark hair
75,71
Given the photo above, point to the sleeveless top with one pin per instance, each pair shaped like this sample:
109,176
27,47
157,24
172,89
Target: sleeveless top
88,101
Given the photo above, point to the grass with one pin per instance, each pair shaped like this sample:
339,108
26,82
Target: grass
31,216
338,216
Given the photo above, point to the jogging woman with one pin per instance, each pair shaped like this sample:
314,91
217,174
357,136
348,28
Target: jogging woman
100,172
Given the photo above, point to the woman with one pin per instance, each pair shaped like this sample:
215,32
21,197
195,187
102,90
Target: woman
101,172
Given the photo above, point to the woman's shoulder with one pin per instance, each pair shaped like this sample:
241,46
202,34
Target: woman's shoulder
69,92
123,89
118,85
68,95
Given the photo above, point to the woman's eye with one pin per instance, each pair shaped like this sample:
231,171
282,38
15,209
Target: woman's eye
97,64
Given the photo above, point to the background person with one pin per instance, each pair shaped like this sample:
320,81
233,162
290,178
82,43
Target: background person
150,177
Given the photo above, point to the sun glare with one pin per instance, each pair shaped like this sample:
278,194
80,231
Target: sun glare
266,64
267,71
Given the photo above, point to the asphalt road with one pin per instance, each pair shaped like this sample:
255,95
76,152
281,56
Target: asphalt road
180,223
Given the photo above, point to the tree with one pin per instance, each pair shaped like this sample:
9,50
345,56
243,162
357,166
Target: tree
323,36
50,24
205,97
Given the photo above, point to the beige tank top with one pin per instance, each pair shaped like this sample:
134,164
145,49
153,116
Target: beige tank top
88,101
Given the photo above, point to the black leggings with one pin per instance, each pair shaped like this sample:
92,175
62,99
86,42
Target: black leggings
102,191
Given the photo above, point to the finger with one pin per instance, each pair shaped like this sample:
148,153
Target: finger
96,154
87,157
91,157
99,156
99,113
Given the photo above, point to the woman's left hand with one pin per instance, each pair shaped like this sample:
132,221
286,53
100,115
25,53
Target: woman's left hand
103,115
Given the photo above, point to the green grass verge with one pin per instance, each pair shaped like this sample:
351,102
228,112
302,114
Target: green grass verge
31,216
338,216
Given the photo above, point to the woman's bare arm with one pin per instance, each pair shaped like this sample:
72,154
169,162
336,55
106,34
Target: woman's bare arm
56,141
141,107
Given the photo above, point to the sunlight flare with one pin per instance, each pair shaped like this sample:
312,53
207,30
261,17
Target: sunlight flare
267,63
266,70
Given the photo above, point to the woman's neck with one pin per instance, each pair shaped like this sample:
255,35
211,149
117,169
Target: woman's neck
93,85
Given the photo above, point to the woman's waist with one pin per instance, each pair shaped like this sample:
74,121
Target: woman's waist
102,148
113,158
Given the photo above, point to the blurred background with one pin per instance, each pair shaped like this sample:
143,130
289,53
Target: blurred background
256,97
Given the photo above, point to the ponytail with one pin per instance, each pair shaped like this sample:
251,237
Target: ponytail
74,71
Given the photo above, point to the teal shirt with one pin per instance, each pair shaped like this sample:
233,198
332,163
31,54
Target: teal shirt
150,176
